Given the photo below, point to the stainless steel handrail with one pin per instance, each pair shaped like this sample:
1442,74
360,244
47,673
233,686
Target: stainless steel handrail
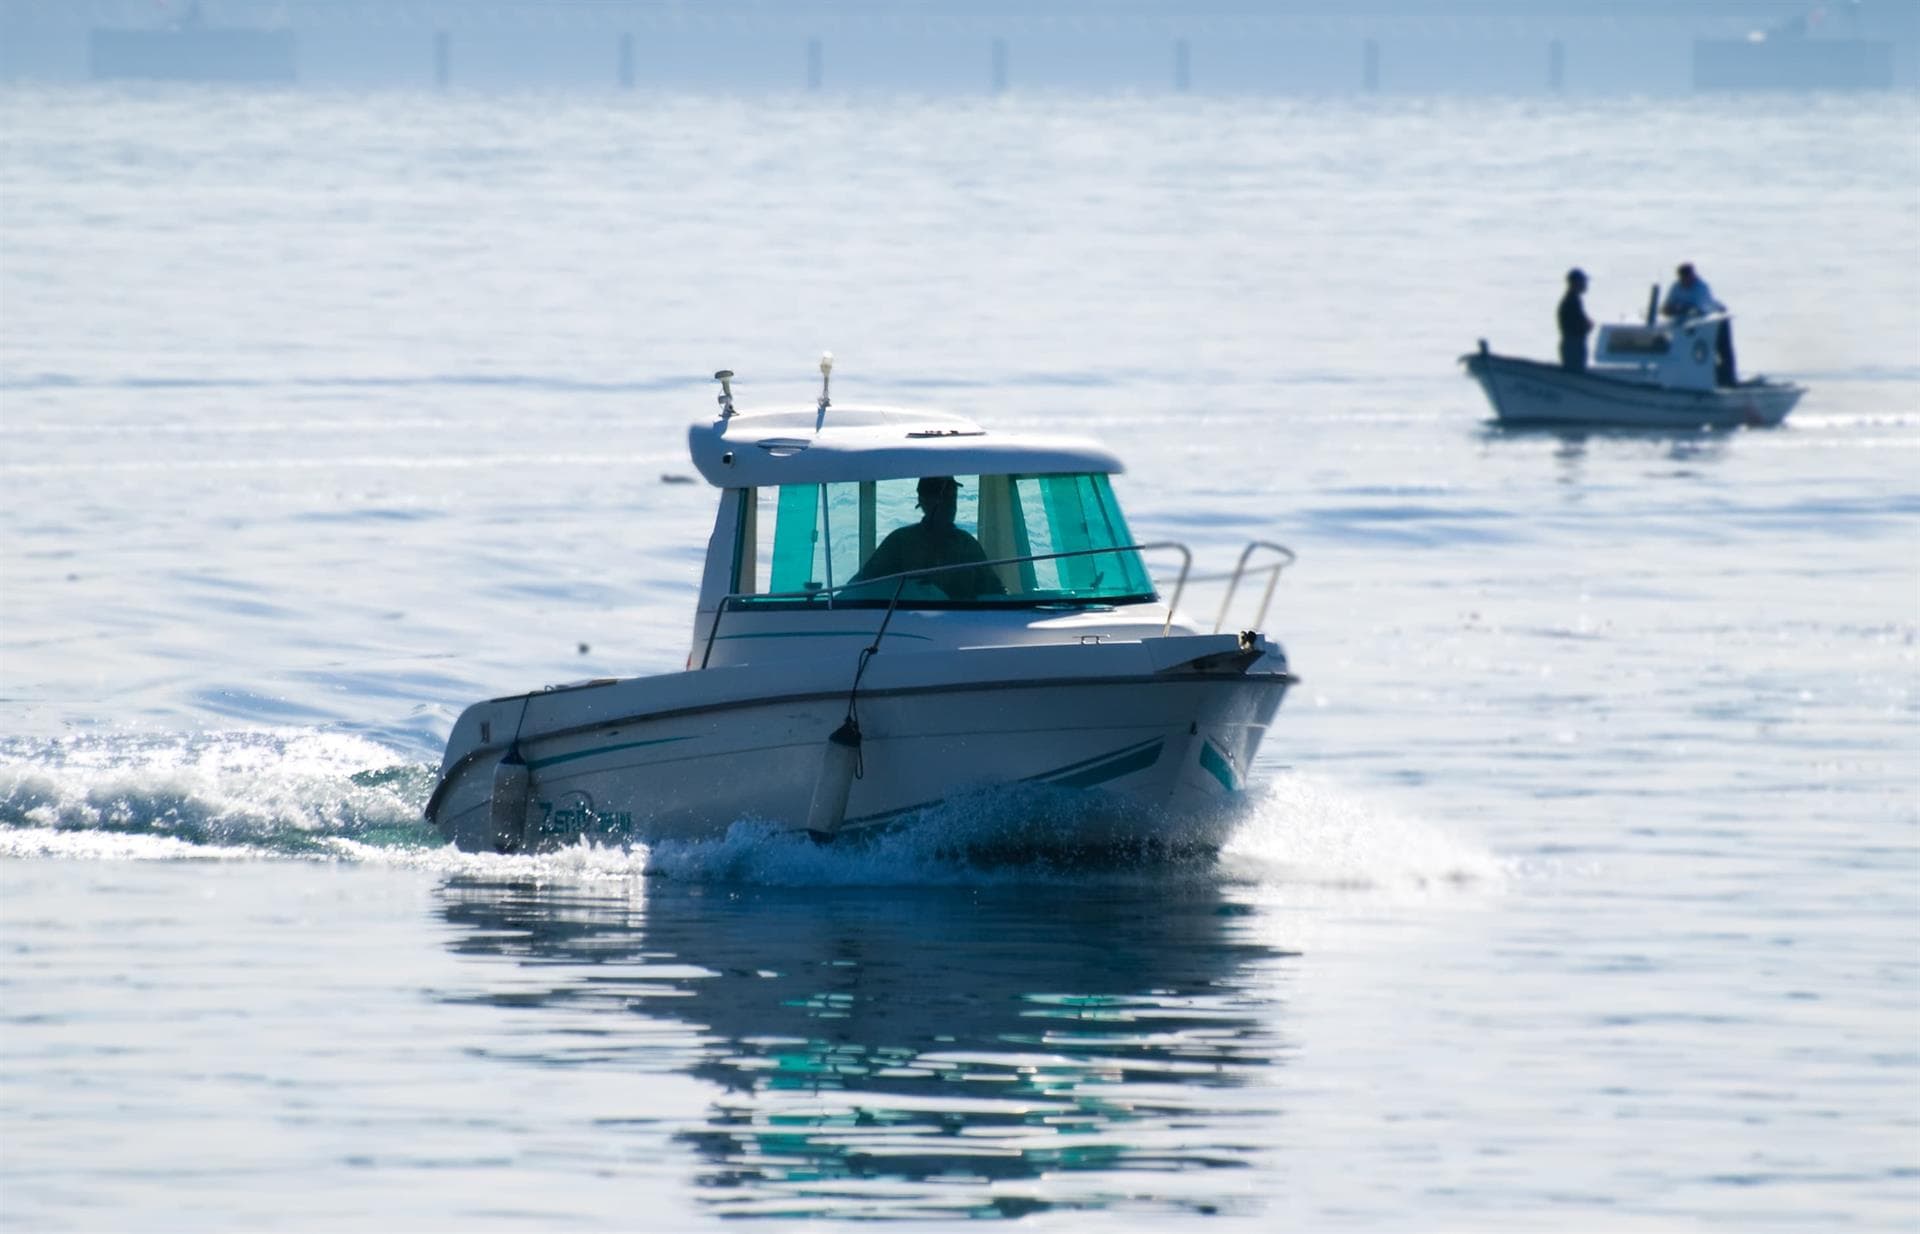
904,577
1233,585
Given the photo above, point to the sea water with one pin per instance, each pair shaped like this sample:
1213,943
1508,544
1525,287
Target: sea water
1578,886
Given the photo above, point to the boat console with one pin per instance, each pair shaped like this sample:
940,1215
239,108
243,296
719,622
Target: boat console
1677,355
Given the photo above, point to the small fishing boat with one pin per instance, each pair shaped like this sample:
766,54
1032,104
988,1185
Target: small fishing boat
1651,376
844,678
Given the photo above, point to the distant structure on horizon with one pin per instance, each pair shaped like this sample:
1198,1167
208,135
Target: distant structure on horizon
1809,51
188,49
1514,47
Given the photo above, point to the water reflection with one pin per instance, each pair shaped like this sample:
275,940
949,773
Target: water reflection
913,1051
1682,447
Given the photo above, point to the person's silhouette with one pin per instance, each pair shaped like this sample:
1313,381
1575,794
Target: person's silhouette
1575,325
935,541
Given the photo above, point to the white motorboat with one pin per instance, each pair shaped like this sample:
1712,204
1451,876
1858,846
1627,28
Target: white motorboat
1652,376
823,698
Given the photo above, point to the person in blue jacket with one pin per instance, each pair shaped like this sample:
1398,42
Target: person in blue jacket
1691,297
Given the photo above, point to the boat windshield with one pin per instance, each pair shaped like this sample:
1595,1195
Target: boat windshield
815,537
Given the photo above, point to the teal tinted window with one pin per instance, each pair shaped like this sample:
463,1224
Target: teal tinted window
857,538
798,556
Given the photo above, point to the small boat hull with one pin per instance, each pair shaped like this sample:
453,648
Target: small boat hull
1157,756
1527,392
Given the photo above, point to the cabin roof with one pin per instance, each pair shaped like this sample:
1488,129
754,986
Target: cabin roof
754,449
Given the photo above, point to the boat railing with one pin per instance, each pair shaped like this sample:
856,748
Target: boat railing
1284,557
904,577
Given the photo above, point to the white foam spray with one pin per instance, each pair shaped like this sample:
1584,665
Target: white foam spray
1306,833
331,796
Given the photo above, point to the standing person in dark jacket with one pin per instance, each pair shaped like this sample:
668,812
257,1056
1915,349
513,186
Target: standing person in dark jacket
1575,325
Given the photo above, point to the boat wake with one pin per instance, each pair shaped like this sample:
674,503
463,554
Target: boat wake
1012,833
298,794
1306,834
286,792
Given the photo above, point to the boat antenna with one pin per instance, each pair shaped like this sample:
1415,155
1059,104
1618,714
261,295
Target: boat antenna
725,378
826,380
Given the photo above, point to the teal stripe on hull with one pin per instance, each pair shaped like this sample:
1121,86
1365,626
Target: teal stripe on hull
537,764
1107,767
1087,773
1216,763
923,638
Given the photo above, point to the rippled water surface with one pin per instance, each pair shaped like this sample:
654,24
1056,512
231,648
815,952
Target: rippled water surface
1580,885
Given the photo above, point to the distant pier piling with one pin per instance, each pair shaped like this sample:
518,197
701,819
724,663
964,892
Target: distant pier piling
999,66
816,65
1370,66
442,58
626,62
1557,66
1182,66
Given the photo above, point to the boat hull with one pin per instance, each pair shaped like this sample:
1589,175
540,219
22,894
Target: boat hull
1528,392
1147,757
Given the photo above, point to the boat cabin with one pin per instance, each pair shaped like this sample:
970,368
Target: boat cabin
1678,355
810,500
